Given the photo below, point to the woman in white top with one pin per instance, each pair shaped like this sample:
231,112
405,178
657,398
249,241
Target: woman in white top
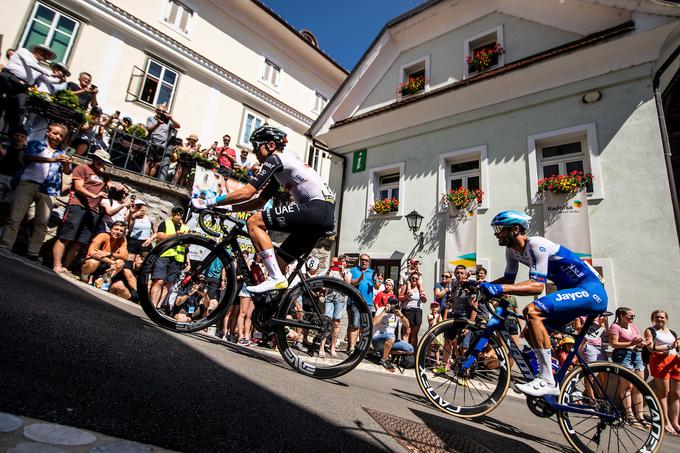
411,296
141,229
114,208
664,366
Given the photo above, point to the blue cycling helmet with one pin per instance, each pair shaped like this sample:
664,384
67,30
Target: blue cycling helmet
510,218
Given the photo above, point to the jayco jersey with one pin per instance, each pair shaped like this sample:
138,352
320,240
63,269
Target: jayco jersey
288,171
547,260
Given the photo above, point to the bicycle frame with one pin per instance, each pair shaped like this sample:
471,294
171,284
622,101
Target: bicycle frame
497,324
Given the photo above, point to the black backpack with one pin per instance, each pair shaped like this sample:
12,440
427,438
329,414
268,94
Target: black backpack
646,354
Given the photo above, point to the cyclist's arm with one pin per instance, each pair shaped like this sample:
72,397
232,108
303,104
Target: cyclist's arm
525,288
538,272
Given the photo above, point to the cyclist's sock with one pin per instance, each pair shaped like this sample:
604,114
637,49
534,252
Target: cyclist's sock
268,257
544,357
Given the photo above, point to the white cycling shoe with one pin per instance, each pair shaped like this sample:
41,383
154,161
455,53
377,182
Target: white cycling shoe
268,285
538,387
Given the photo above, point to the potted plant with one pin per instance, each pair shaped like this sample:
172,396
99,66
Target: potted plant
415,84
484,58
385,206
463,199
566,184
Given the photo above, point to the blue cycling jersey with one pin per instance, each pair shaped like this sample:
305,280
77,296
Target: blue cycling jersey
548,260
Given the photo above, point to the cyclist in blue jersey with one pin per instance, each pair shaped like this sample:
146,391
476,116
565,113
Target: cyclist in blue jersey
579,289
307,219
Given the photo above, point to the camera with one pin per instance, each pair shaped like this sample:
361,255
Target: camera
392,304
93,87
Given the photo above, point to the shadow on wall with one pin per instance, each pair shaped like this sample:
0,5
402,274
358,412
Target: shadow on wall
369,232
433,238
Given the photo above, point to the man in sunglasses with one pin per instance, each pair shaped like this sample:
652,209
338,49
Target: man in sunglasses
308,219
579,289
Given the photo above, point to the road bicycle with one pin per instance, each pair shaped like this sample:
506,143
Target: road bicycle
295,318
601,406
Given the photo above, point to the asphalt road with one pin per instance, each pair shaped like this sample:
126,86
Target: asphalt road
72,355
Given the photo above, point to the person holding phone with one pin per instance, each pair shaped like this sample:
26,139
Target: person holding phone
193,305
84,91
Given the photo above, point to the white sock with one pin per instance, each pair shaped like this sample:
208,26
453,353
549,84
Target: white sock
544,357
268,257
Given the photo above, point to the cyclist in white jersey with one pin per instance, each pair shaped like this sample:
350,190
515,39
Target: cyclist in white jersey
307,219
579,289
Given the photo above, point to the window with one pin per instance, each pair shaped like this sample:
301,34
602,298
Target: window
464,174
414,77
490,42
467,168
563,151
52,28
251,121
272,73
386,182
388,186
158,84
178,16
320,102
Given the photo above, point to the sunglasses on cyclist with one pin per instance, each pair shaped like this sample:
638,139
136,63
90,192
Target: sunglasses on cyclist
497,229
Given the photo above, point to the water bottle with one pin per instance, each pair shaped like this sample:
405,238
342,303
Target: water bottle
106,283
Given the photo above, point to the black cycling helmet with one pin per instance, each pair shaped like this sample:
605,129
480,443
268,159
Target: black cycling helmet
266,133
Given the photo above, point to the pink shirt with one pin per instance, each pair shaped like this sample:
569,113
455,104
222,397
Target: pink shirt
624,335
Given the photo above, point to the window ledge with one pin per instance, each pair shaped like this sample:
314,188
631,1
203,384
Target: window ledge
176,29
389,216
490,68
594,197
402,97
268,84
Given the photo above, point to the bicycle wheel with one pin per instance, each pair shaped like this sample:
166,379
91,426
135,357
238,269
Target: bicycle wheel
464,393
171,292
620,399
310,328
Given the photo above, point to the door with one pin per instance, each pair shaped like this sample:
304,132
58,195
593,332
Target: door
388,268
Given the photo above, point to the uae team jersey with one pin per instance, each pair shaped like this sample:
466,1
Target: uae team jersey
547,260
296,177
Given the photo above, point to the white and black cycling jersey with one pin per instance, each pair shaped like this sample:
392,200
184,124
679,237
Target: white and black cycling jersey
285,169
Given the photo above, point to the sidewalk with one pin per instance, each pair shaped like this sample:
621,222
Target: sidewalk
27,435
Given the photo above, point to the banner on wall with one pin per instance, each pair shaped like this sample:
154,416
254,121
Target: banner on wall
461,238
566,221
210,184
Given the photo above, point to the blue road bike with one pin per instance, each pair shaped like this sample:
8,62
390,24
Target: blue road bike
601,407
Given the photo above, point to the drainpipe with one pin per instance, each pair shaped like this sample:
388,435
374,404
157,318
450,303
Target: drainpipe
664,137
340,200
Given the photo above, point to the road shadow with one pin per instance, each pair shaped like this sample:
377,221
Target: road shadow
68,357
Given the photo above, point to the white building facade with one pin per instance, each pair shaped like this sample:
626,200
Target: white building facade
223,67
573,90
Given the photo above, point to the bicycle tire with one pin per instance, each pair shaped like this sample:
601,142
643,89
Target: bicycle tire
570,423
306,359
144,283
433,382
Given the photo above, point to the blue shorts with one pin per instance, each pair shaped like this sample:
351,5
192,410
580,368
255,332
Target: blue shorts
353,314
628,358
379,340
589,297
334,305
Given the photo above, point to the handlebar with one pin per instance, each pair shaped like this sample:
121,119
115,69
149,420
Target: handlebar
208,217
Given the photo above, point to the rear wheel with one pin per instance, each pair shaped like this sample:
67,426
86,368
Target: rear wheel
461,391
626,415
161,301
324,333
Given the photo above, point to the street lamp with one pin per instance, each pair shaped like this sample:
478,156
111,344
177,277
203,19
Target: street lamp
413,219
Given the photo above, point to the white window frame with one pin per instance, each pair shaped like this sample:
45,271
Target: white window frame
256,115
320,102
164,68
389,187
463,155
270,62
374,175
591,156
609,282
409,68
175,25
476,41
52,27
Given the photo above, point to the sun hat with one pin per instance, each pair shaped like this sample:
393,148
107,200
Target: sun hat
140,201
102,155
41,47
193,137
61,67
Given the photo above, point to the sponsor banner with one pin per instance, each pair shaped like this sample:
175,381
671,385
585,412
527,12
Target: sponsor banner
210,184
461,238
566,221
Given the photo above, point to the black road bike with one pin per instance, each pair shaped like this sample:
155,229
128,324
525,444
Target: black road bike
295,318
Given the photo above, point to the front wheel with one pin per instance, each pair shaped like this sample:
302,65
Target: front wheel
620,411
175,276
324,332
461,391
